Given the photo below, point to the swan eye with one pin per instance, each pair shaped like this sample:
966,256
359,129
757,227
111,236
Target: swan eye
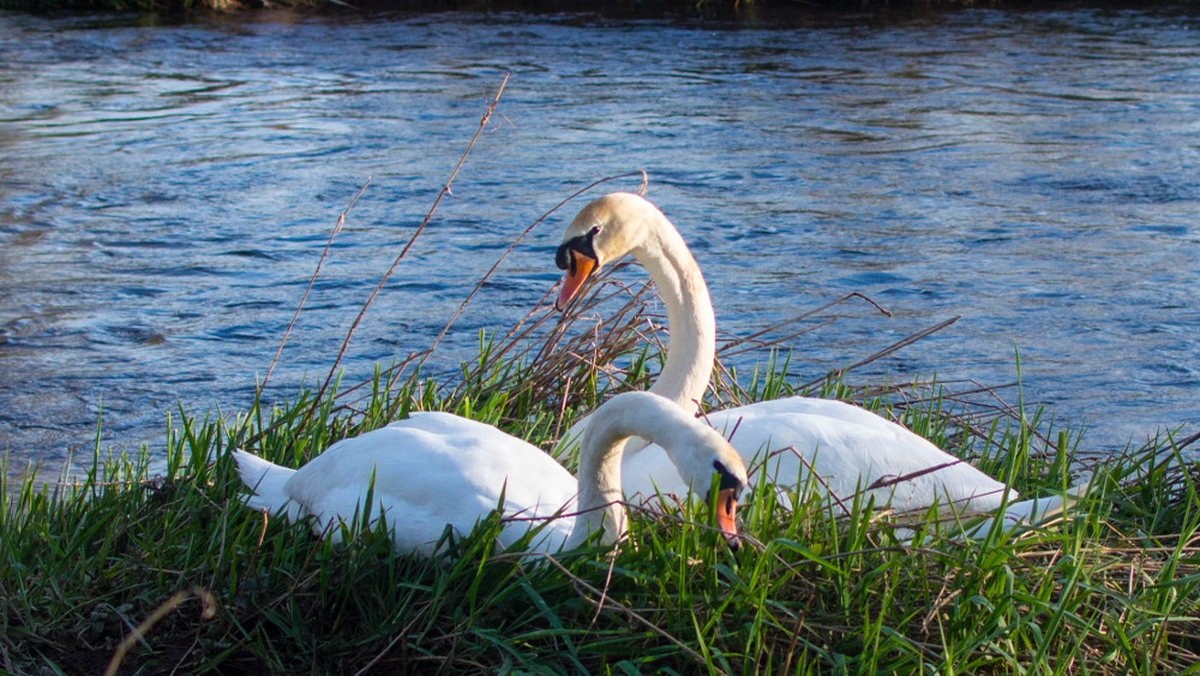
562,257
581,244
728,480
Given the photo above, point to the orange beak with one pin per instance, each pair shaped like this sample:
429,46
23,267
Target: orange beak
581,268
726,510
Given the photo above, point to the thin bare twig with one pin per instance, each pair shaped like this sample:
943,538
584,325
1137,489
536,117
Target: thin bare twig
905,342
483,122
337,228
580,584
207,612
491,271
729,348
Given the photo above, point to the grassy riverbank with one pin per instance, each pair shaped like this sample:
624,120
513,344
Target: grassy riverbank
171,574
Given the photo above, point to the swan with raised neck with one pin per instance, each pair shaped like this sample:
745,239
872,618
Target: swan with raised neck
849,448
623,223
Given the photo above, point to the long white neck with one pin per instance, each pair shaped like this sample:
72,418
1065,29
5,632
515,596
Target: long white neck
691,348
625,415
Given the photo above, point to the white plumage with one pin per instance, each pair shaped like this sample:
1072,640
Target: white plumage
437,469
852,451
431,470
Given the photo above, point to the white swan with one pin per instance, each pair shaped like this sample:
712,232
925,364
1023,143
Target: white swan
848,448
437,469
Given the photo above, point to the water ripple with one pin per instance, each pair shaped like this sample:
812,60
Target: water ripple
165,194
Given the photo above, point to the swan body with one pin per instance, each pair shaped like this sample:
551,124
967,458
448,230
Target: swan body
435,470
851,450
848,448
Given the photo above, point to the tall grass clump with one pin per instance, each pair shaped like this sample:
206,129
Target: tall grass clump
153,565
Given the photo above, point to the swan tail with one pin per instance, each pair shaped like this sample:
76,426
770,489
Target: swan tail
267,481
1032,512
1035,511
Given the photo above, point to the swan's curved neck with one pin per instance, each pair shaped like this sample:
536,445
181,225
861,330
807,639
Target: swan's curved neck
632,414
691,348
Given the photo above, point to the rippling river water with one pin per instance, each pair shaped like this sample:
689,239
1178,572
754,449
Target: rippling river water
165,193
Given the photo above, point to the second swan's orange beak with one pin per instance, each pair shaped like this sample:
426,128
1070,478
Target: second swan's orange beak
726,511
577,273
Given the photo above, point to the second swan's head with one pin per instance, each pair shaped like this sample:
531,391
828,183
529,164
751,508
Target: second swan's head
604,230
700,454
709,459
728,466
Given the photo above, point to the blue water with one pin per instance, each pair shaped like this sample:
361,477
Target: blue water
166,191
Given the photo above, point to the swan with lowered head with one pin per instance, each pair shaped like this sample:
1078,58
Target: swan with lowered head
849,449
436,469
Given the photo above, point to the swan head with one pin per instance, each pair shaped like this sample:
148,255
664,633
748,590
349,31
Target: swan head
731,481
707,462
703,458
604,230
